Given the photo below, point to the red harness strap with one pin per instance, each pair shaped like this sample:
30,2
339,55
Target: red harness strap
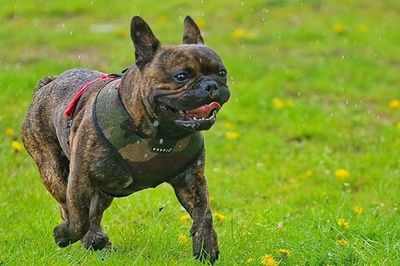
71,107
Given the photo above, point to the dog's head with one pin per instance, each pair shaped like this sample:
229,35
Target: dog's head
183,86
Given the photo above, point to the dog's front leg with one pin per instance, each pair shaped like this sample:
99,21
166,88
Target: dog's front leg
95,238
192,192
79,195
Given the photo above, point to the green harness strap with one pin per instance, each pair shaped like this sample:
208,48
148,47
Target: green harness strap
151,161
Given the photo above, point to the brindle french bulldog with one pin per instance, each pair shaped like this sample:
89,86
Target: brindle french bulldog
95,137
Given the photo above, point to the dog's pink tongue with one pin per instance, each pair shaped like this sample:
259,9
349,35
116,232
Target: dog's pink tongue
204,110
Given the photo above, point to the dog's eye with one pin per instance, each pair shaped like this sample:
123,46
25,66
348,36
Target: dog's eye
222,73
181,77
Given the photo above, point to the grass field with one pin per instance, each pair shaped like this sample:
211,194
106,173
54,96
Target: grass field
303,163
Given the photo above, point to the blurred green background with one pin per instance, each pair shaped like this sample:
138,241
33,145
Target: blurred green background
302,164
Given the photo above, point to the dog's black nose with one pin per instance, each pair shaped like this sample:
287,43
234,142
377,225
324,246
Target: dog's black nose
212,89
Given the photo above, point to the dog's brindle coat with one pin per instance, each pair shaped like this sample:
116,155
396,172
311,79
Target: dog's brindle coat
70,158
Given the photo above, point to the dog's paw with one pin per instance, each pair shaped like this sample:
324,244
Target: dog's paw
62,236
96,240
205,245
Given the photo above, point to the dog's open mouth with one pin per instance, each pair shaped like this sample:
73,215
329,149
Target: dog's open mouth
202,116
205,111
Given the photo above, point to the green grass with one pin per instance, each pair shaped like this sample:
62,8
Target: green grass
337,62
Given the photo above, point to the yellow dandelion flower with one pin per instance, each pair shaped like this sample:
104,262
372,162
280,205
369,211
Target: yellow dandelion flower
229,125
358,210
183,239
394,104
342,174
268,260
185,218
231,135
201,23
338,28
362,28
308,174
343,242
16,146
278,103
284,252
343,223
239,33
220,217
250,260
9,132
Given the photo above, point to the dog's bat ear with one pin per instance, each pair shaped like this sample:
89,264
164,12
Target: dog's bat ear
191,33
146,44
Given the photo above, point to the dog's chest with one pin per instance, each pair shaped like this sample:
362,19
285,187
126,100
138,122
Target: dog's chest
148,162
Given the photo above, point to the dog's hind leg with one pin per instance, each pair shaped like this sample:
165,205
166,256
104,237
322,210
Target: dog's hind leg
95,238
81,195
52,163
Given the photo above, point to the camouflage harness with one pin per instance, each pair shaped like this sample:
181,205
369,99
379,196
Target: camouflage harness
150,161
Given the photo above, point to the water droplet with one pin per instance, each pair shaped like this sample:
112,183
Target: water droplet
161,141
156,123
199,162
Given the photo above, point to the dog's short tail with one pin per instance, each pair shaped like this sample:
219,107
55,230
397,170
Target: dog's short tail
44,81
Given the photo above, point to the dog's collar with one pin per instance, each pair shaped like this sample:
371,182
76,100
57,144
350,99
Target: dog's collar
151,160
119,128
